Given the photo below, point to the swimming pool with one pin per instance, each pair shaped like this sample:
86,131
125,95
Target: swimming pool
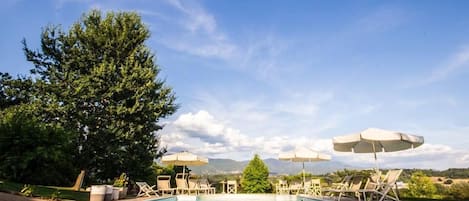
238,197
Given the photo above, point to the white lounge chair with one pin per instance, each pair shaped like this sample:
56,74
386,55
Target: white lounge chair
163,185
206,187
353,188
182,186
383,188
145,189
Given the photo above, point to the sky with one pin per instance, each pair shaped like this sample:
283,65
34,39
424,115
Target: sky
265,77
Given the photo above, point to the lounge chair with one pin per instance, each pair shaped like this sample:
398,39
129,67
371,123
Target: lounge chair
193,185
182,186
344,184
145,189
295,188
78,183
206,187
313,187
352,188
281,187
163,184
383,188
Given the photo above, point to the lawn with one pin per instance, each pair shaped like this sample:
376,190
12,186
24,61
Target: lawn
46,192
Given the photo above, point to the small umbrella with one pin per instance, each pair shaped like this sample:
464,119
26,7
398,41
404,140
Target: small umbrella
374,140
184,159
304,155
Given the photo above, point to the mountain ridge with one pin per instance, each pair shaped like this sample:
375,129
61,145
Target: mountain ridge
276,167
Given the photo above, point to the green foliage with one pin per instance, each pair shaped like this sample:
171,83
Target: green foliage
98,81
27,190
32,151
46,192
121,181
421,186
255,177
459,191
55,195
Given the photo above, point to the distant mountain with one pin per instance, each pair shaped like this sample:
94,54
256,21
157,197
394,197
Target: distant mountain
228,166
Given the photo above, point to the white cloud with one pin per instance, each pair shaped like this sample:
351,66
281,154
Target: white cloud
435,156
202,133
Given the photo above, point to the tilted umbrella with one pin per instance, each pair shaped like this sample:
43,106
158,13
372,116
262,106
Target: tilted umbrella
184,159
304,155
374,140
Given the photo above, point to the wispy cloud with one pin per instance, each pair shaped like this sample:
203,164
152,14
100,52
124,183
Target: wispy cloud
455,64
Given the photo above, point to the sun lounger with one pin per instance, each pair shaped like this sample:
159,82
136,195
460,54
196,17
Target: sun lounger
313,187
182,186
353,188
344,184
206,187
145,189
163,185
295,188
384,188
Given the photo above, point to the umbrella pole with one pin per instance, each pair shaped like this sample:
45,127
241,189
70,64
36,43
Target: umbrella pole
376,159
304,180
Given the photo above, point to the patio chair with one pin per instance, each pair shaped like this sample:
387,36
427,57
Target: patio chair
353,188
383,189
145,189
313,187
232,186
193,186
281,187
163,184
295,188
206,187
344,184
182,186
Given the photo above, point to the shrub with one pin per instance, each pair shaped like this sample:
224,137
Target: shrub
421,186
459,191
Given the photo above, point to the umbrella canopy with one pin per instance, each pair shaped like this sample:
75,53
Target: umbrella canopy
184,158
304,155
374,140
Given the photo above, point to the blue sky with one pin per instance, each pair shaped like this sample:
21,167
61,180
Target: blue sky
270,76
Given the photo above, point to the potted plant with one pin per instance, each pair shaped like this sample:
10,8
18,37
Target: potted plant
121,184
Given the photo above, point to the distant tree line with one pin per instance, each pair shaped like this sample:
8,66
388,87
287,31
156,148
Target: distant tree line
93,101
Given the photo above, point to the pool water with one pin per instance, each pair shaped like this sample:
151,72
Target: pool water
246,197
237,197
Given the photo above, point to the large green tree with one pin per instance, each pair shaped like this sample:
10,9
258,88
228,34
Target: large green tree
255,176
32,151
99,80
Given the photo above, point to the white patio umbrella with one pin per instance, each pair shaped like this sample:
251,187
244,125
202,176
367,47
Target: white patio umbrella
374,140
304,155
184,159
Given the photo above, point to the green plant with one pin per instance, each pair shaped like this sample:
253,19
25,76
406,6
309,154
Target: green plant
459,191
255,177
27,190
121,181
421,186
55,195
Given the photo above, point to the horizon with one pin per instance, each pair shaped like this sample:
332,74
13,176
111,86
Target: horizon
256,77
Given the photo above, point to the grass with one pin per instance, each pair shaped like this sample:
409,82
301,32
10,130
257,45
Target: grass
46,192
